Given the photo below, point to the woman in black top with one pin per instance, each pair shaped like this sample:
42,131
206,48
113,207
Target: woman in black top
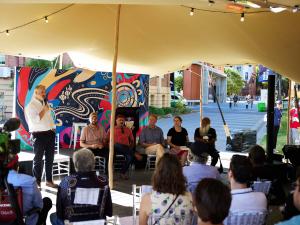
178,139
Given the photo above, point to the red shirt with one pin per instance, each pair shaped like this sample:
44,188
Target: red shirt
124,137
294,120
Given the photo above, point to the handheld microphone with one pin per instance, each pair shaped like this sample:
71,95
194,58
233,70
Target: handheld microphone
11,125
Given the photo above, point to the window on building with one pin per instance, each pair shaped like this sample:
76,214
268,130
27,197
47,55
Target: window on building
2,60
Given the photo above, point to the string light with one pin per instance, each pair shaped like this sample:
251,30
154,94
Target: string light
242,17
7,32
46,19
211,2
295,9
192,12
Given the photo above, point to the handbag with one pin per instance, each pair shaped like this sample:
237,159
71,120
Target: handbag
165,211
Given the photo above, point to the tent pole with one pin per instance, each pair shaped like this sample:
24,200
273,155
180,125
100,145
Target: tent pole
288,113
113,100
201,103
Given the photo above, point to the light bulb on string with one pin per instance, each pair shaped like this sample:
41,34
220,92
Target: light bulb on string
211,2
192,12
46,19
295,9
242,17
7,32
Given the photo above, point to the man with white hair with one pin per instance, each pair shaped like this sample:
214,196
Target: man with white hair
198,169
84,195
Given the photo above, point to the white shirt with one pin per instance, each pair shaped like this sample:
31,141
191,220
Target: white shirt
36,124
247,200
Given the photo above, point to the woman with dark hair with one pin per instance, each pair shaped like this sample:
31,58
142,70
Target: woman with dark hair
178,139
169,202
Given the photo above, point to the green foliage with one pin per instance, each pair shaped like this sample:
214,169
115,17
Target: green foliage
179,83
235,82
179,108
40,63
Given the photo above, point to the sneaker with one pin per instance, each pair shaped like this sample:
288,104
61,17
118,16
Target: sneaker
51,184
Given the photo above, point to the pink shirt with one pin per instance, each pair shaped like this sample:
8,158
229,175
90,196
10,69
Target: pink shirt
92,135
294,120
124,137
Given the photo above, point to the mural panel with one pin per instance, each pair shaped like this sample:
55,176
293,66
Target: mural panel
74,94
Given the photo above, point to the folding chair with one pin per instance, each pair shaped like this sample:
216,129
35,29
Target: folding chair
150,165
100,165
262,186
137,193
246,218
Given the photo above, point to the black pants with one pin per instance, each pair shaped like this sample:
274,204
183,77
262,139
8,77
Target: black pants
43,143
214,154
276,129
102,153
47,204
127,152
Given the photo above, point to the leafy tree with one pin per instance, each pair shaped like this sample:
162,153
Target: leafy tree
179,83
235,83
40,63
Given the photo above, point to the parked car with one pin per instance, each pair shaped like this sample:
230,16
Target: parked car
177,97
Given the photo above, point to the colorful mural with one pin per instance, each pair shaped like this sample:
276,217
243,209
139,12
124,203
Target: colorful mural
74,94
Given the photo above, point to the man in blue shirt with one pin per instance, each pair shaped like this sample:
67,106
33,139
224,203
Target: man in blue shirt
32,197
277,120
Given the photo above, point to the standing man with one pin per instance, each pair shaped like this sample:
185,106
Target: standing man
277,120
152,138
93,138
42,129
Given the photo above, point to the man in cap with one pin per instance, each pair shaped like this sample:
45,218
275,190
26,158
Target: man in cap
198,168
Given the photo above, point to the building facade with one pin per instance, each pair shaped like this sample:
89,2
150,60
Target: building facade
159,91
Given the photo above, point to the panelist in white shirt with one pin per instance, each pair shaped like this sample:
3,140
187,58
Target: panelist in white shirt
42,129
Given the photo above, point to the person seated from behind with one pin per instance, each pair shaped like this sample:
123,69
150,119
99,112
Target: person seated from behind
243,197
296,199
263,171
205,137
84,195
124,143
32,198
169,202
212,200
93,138
198,169
178,140
152,138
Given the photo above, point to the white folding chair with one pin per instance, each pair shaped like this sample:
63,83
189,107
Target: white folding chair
109,221
100,165
262,186
246,218
76,129
119,161
137,193
150,164
61,163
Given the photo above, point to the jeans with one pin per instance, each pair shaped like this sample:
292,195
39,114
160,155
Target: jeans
55,220
127,152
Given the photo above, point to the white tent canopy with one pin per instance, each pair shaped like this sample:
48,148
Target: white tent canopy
155,36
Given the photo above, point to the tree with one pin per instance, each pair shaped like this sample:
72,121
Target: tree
40,63
235,83
179,83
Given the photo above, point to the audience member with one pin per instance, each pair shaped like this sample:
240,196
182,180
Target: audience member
93,138
83,195
124,143
294,124
263,171
178,139
212,200
205,138
152,138
32,198
198,169
243,197
169,202
296,199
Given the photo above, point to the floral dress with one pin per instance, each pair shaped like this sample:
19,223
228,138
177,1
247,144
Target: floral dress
181,212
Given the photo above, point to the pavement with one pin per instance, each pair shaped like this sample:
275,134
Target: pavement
237,118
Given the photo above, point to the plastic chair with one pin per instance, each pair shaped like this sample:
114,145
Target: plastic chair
76,128
151,160
246,218
100,164
61,163
137,193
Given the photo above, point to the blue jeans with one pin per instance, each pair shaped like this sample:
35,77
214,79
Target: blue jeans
127,152
55,220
